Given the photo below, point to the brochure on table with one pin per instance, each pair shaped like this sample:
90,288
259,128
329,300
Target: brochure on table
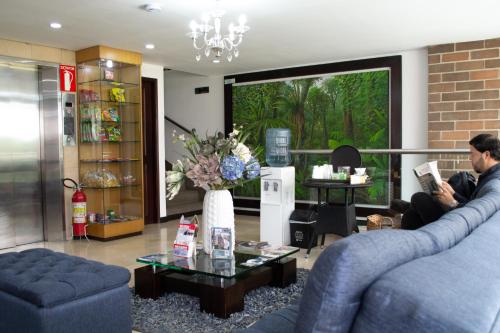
185,240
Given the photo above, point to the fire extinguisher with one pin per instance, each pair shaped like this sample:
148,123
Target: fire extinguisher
79,203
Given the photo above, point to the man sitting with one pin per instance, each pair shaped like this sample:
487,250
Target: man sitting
425,208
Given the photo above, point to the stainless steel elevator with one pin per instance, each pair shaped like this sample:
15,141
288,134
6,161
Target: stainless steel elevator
31,197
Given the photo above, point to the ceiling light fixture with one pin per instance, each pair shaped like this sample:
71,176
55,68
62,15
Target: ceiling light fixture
55,25
152,7
215,44
149,46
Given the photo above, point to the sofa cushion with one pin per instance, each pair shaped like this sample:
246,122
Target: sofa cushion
457,290
459,223
345,269
46,278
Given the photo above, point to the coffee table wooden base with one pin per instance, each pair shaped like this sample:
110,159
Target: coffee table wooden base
220,296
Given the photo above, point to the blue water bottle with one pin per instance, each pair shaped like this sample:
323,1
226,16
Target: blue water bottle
278,147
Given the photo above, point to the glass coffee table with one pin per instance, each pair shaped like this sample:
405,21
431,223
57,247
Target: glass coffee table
220,284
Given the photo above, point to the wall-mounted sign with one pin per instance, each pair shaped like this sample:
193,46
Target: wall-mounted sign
67,78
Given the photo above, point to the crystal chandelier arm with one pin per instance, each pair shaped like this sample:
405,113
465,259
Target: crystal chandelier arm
195,45
238,41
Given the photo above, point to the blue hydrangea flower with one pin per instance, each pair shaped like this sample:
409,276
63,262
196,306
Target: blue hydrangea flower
252,169
232,167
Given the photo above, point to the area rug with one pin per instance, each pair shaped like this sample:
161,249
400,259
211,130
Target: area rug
176,313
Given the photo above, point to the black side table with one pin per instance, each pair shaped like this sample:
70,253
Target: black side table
342,217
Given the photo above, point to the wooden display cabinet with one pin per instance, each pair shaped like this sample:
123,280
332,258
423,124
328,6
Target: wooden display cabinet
110,140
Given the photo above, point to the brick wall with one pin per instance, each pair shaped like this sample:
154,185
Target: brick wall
464,96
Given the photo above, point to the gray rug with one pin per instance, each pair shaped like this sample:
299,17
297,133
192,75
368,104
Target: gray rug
176,313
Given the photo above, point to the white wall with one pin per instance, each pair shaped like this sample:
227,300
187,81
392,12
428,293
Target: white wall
156,72
205,112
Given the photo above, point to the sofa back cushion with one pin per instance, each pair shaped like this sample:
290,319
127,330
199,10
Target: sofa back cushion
459,223
456,290
345,269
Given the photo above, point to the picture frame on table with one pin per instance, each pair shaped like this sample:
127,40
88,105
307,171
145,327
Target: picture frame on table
221,243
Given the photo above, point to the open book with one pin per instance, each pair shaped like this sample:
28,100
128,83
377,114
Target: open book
428,176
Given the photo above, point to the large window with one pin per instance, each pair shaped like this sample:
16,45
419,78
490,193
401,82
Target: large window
356,103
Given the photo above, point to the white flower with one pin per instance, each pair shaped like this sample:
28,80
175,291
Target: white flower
174,176
243,152
172,190
182,137
178,166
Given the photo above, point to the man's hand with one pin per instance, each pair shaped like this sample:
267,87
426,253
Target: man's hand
448,187
445,196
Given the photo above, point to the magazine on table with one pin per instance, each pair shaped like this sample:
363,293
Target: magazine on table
279,251
256,261
251,245
157,257
428,176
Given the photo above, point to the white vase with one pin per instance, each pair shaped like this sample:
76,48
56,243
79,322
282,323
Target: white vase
217,212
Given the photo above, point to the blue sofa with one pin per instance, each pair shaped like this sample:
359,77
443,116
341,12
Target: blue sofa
44,291
443,277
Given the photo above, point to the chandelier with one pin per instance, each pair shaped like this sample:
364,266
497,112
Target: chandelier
208,39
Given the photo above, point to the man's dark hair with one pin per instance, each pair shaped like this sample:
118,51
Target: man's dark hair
487,142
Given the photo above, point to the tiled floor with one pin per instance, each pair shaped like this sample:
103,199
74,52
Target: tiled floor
156,238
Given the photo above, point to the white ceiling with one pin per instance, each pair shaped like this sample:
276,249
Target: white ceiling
283,33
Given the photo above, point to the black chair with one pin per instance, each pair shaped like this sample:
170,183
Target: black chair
346,156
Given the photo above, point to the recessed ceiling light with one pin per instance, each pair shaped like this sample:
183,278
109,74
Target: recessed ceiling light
150,46
216,61
109,63
152,7
55,25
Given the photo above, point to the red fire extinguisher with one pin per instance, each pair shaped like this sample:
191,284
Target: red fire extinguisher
79,203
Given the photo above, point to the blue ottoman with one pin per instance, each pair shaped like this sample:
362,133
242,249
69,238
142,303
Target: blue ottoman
46,291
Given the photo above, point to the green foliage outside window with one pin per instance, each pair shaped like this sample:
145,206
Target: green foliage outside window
322,113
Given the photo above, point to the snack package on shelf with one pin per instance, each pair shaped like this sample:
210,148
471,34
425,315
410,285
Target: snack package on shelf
117,95
114,133
100,178
129,180
111,114
88,95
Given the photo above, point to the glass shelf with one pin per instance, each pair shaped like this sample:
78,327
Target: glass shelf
111,83
109,187
108,121
124,141
111,160
109,102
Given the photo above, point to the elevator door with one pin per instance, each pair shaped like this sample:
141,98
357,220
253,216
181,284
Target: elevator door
21,206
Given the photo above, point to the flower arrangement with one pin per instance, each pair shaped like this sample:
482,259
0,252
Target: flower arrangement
215,163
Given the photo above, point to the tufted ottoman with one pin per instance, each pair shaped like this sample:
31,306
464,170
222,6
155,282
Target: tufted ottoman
46,291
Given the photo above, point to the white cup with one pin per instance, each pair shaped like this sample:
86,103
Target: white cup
327,171
360,171
317,172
